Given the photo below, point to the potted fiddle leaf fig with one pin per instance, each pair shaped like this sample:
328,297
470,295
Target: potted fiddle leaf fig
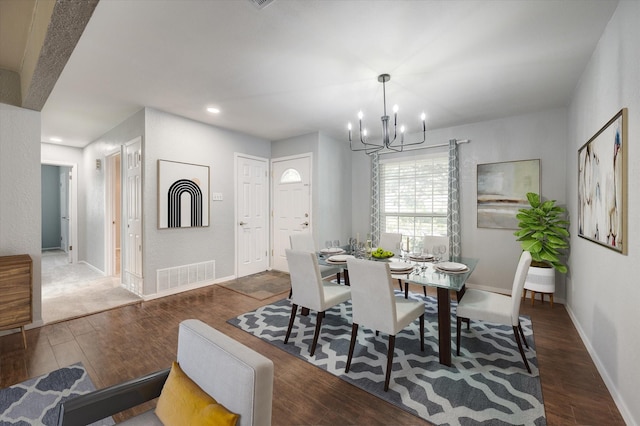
544,233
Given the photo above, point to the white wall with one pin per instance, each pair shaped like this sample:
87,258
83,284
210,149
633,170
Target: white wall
169,137
602,287
540,135
20,208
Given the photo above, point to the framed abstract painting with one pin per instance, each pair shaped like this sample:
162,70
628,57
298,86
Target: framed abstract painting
183,195
602,185
502,191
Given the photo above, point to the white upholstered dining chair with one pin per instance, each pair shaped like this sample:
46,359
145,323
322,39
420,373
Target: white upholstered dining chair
497,308
392,242
428,241
375,306
303,241
310,291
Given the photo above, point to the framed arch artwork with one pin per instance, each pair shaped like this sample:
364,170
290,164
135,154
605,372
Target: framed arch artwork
183,195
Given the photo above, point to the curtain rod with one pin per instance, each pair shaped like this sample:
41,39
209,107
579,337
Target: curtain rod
424,147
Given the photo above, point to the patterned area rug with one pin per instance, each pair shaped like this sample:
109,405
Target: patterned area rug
486,385
35,401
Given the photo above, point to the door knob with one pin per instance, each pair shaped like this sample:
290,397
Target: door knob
305,224
242,223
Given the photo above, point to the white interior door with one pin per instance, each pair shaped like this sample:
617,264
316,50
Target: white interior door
252,213
132,212
65,174
291,204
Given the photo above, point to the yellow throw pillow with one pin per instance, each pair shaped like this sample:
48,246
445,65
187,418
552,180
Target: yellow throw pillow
182,402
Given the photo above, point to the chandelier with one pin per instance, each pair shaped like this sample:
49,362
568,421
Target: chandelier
386,143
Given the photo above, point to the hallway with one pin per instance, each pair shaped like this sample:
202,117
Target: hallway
74,290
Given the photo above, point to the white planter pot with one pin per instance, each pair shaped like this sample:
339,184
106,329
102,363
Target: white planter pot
540,280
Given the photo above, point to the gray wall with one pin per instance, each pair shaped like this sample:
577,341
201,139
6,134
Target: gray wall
50,181
169,137
91,199
331,188
20,225
540,135
602,285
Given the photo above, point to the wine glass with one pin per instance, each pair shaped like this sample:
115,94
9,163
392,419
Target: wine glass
436,253
327,245
336,244
442,249
423,255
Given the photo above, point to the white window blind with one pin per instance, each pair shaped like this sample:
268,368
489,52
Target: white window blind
413,196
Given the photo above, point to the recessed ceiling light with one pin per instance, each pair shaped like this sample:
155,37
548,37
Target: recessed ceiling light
55,139
213,110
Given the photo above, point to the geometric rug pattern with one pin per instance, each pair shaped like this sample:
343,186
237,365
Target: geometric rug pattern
486,385
36,401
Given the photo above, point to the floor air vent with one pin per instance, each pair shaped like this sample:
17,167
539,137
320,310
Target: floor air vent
261,4
179,276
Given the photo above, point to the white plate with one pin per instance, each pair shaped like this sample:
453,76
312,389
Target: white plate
332,250
449,271
420,257
451,266
400,266
340,258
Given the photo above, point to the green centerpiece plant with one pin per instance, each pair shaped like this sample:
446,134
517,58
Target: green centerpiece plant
543,232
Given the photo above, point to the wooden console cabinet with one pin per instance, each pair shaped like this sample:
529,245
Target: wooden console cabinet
15,293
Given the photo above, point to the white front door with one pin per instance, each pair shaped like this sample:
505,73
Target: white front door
291,182
252,212
132,208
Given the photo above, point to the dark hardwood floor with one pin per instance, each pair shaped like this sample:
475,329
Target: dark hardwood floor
130,341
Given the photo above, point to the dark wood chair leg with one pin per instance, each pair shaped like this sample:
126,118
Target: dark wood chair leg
524,358
317,332
522,334
354,334
468,321
338,276
458,327
422,332
392,344
424,290
400,283
406,290
294,308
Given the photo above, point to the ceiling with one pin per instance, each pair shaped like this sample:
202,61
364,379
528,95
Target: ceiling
296,67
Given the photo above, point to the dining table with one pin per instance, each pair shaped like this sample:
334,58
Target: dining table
427,273
445,280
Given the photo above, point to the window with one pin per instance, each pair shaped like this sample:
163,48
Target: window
413,196
290,176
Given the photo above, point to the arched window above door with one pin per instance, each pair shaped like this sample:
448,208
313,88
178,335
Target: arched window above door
290,176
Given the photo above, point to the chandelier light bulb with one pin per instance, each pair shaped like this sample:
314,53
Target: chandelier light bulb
360,115
401,129
364,132
395,109
349,125
423,116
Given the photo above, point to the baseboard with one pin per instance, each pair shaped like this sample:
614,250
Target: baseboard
183,288
93,267
624,411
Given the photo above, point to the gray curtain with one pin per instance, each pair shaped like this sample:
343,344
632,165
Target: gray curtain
375,199
453,204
